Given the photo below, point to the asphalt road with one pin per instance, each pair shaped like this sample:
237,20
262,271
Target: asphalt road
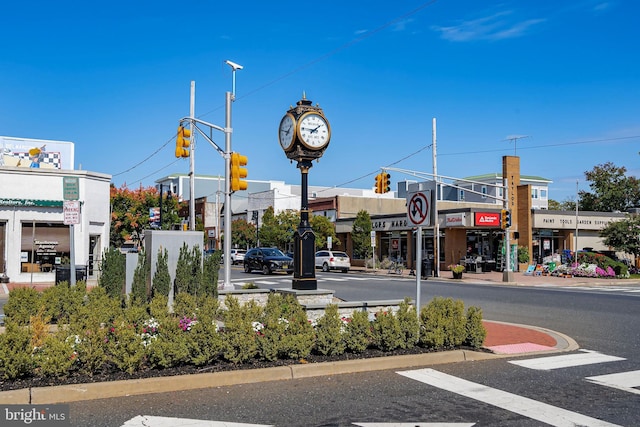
605,324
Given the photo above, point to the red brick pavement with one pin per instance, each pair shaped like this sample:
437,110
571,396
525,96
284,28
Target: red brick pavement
504,334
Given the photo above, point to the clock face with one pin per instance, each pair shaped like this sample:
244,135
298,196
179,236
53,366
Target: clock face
314,131
287,131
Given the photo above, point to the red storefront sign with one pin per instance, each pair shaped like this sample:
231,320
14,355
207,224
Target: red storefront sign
487,219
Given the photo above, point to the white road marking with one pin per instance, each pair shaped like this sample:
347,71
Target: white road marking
586,357
626,381
151,421
524,406
414,424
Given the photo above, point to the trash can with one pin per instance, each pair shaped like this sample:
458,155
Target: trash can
427,268
63,273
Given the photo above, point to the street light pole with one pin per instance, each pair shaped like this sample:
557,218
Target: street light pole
228,130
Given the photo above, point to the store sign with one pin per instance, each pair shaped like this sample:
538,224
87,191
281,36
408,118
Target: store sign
455,220
46,247
31,203
487,219
70,188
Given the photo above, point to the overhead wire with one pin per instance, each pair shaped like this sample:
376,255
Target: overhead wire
299,69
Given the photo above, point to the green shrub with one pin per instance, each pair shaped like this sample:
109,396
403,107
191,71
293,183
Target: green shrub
330,331
171,347
62,300
387,334
87,324
239,340
113,272
15,351
22,304
205,345
125,346
443,323
409,324
56,357
210,271
476,333
299,337
183,270
184,305
161,278
139,290
270,328
358,334
159,305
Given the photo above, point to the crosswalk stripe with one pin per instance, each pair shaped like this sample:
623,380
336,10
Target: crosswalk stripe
586,357
524,406
153,421
627,381
414,424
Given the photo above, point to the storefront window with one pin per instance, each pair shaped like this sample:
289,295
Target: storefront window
44,245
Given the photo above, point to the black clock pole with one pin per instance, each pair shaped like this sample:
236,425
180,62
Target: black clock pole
304,274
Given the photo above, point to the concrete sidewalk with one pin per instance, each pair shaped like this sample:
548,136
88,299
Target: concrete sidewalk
519,279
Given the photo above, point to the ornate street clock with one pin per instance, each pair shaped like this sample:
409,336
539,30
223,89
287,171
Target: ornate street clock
304,133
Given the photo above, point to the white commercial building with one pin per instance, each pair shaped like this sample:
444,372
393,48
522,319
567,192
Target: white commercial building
34,239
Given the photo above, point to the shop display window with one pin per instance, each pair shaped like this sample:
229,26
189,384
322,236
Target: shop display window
44,246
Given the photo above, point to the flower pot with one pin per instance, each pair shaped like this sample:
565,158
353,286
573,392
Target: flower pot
457,275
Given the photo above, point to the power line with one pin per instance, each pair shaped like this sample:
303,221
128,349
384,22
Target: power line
300,68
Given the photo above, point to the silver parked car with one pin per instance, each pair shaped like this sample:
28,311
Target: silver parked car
333,260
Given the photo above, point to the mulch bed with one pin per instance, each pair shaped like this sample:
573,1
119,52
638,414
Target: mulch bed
112,374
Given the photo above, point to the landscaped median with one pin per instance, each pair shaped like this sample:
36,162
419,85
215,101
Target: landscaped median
96,337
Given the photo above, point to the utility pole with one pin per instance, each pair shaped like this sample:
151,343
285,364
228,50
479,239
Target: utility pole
436,226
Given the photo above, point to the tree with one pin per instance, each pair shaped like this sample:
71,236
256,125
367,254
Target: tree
361,235
611,189
130,212
568,204
243,234
324,228
269,229
623,235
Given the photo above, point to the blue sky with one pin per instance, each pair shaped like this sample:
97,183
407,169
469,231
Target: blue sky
114,78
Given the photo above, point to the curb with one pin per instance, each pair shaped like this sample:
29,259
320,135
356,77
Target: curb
121,388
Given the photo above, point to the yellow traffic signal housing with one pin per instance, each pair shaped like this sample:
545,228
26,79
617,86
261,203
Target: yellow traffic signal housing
238,172
183,142
379,183
505,219
386,185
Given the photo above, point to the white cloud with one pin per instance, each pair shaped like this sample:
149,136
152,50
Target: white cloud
493,27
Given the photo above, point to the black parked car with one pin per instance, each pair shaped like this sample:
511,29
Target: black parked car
267,260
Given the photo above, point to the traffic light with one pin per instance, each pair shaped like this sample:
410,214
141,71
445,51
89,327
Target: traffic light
379,183
238,172
386,185
505,218
183,142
